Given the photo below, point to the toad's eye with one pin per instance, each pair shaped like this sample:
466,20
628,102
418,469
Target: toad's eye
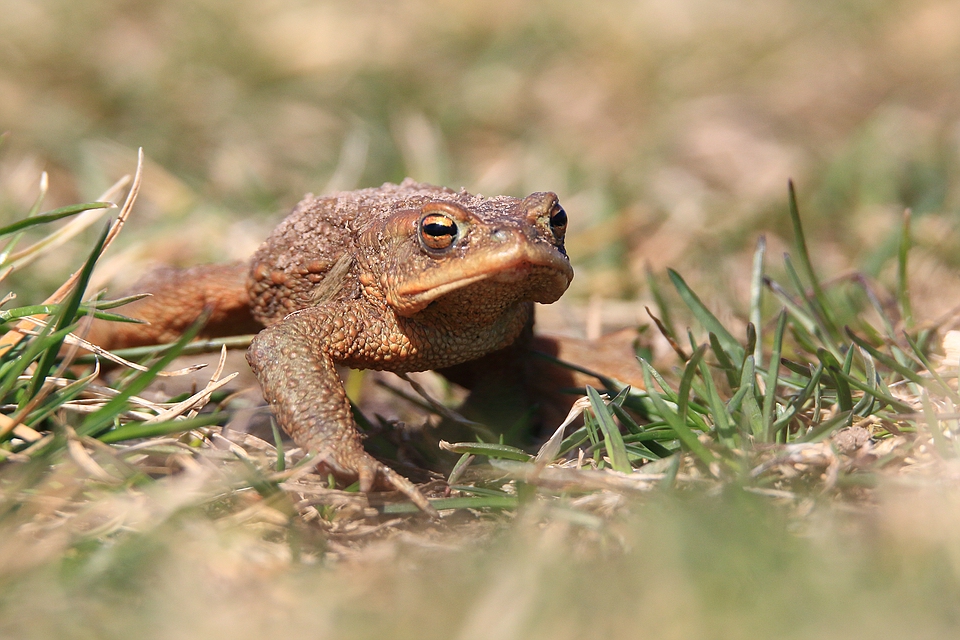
558,221
437,231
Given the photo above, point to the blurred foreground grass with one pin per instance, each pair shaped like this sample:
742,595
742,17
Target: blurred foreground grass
728,565
669,130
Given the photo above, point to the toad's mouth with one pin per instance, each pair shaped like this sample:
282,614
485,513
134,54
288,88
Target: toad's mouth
521,273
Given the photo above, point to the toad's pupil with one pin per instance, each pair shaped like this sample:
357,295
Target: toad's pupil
559,219
437,229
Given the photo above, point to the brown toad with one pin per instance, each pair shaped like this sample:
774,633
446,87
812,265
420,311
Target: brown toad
400,278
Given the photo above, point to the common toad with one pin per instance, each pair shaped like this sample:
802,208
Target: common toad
401,278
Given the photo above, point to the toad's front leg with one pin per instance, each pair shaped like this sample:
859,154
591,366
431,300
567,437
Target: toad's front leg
294,362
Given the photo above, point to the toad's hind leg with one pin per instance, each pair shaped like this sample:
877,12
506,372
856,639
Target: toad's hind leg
177,298
294,361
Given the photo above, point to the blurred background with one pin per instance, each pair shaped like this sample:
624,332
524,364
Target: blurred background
668,127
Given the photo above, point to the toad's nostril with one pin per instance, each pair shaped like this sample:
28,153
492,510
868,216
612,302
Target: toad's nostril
500,235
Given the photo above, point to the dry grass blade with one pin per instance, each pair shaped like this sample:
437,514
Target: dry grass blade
548,452
194,402
74,339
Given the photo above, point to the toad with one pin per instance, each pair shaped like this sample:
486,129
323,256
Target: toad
402,278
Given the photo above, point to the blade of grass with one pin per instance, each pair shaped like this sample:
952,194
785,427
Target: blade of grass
749,406
798,401
683,392
684,433
818,302
732,372
824,429
104,417
139,430
903,284
52,216
665,320
872,381
773,374
844,398
487,449
705,317
34,210
756,297
67,314
611,433
885,360
796,310
918,353
475,502
51,309
278,445
718,410
459,468
639,435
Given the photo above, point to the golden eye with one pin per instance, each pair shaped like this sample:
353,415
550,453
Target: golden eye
558,221
437,231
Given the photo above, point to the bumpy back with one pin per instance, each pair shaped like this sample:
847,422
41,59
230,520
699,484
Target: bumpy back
311,256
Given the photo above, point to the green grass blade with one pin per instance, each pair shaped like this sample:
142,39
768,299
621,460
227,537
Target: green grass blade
796,310
844,397
729,369
119,302
773,373
23,358
34,210
903,284
459,468
631,425
874,392
490,450
683,392
918,353
718,410
471,502
886,360
848,361
749,407
662,307
756,298
573,441
798,401
611,433
68,312
105,416
826,428
52,216
818,301
54,309
139,430
684,433
705,317
639,435
278,445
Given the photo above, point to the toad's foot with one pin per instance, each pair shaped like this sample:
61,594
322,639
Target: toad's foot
347,460
300,381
